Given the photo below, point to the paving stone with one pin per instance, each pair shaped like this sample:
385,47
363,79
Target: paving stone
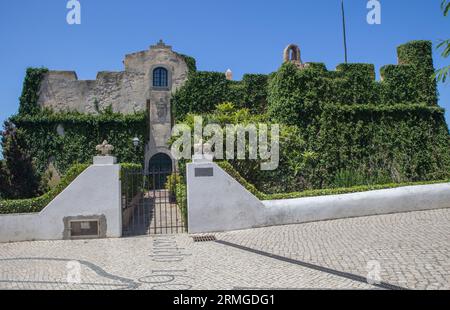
412,250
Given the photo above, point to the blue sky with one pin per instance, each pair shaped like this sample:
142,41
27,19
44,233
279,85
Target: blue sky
247,36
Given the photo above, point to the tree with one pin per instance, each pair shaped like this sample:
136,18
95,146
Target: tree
444,73
18,176
4,183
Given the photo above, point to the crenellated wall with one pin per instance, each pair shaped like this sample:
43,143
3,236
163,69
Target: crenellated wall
126,92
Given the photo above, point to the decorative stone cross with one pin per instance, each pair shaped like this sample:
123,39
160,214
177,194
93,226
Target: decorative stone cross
104,149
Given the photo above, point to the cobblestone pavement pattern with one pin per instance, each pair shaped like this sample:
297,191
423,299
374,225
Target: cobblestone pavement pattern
409,250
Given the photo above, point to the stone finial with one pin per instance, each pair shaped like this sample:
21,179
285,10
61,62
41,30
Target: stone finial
292,54
229,75
161,44
104,149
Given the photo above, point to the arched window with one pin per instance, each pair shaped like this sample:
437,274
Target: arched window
160,77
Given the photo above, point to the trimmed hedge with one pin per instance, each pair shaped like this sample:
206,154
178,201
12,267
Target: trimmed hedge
313,193
348,190
237,176
34,205
254,88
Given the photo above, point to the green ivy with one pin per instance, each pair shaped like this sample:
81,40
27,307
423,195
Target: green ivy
34,205
407,143
191,63
349,145
31,85
419,54
203,91
389,130
82,132
254,89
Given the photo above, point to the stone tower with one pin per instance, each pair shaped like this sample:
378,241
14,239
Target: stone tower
146,84
167,71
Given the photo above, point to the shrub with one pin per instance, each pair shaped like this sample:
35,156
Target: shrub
395,143
33,205
172,181
19,178
296,161
132,179
181,194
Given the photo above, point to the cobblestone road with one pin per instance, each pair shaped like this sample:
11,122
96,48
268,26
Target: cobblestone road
409,250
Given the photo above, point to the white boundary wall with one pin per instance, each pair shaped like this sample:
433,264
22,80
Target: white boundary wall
219,203
94,193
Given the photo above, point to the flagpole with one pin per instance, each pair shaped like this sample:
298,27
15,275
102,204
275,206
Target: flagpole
343,28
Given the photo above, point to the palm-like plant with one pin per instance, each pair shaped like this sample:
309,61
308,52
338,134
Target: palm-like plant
444,73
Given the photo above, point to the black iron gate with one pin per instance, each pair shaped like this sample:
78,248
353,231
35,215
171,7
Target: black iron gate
149,204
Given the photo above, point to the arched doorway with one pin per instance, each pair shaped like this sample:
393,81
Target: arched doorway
160,167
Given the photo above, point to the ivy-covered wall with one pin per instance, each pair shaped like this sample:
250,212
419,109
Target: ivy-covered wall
392,130
203,91
347,123
348,145
291,89
68,138
388,143
30,91
354,129
79,134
